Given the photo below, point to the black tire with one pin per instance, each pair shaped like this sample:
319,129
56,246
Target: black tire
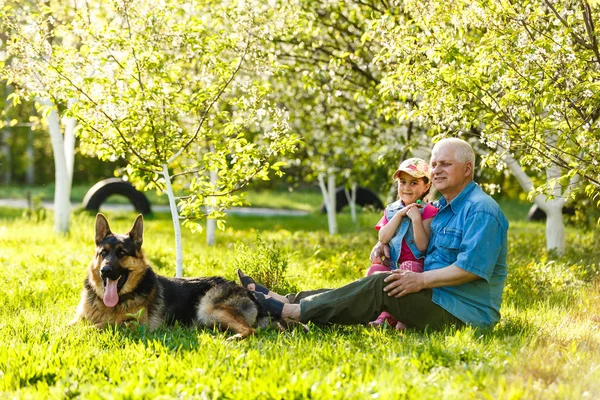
364,197
102,190
537,214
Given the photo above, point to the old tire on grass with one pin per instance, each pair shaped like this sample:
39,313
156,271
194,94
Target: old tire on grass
102,190
364,197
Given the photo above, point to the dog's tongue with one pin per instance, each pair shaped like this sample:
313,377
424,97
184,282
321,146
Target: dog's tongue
111,298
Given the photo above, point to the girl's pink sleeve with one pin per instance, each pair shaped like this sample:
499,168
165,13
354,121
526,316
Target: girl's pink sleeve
381,222
429,212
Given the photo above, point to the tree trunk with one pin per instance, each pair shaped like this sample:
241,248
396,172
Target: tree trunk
62,171
211,223
328,192
351,196
5,158
70,125
555,226
176,225
5,136
30,174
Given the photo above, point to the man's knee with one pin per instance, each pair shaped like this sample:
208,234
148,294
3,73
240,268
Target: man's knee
377,281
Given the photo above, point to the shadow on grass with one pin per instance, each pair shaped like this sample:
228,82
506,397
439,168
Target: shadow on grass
178,338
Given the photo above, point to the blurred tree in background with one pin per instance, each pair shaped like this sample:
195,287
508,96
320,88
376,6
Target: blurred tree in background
364,83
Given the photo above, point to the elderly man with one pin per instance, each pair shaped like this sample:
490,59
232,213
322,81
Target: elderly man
465,266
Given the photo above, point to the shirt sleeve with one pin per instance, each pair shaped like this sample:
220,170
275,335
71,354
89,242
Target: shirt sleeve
481,244
382,222
429,212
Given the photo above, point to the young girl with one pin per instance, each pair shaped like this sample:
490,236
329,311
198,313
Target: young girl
405,225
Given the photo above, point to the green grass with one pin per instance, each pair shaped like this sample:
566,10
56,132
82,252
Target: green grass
546,346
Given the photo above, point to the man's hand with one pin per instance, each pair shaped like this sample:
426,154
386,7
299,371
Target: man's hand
380,254
401,283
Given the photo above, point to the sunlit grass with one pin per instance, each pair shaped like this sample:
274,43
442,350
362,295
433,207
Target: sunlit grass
547,344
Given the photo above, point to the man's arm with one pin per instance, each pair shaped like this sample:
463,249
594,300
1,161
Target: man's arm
401,283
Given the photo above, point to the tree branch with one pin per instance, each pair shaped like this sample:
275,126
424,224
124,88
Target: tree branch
589,27
575,36
210,106
85,94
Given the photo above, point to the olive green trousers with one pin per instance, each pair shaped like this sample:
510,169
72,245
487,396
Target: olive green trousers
363,300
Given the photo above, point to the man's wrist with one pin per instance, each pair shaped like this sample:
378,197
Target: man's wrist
425,282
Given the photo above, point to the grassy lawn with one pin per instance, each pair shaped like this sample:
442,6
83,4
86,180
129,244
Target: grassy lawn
547,345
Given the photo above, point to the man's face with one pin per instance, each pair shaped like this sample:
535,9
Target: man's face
448,175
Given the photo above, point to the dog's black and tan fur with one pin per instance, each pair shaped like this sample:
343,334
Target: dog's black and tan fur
120,283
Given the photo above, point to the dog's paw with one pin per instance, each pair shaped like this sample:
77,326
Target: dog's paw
240,336
237,336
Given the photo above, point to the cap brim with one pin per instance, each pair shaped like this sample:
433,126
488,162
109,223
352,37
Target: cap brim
411,172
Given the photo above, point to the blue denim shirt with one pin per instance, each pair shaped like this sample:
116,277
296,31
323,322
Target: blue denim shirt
470,233
404,232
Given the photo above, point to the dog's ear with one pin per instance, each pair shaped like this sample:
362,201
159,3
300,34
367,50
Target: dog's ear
136,233
102,228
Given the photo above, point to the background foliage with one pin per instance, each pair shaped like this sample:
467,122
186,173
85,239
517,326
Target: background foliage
364,82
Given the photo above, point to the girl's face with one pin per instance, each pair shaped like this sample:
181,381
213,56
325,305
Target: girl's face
411,189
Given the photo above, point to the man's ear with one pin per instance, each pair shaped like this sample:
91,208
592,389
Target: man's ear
469,169
102,228
136,233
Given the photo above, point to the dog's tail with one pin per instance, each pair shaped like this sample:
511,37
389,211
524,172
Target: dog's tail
228,306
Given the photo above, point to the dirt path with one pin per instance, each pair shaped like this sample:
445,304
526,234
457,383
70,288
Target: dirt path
20,203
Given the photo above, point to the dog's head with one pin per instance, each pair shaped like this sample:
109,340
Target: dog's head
119,261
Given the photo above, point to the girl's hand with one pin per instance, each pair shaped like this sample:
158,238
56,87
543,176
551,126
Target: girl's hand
413,212
400,214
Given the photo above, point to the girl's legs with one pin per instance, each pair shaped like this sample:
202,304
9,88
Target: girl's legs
414,266
377,268
384,316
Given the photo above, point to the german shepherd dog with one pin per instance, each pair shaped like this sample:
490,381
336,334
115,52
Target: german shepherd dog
121,286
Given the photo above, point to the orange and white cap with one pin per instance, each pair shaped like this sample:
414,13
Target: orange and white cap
415,167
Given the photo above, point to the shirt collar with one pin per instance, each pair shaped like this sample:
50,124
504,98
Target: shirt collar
459,201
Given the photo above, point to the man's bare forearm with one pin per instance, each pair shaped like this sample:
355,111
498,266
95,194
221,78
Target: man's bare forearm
448,276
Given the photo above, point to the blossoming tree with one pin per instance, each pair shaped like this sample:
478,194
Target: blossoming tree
179,89
332,89
522,77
